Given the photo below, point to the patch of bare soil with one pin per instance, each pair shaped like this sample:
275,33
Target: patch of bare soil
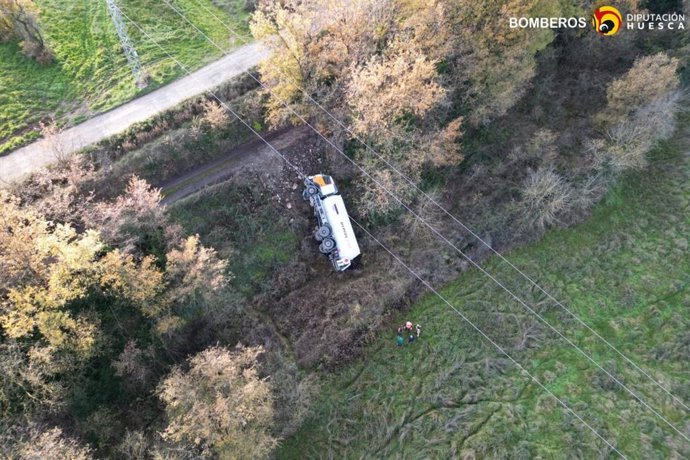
246,158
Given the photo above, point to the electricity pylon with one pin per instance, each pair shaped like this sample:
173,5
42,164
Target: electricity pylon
127,46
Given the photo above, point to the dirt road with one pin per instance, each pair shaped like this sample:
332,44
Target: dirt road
25,160
246,158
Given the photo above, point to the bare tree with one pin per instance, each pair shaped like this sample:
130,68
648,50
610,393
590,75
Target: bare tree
19,19
53,135
545,196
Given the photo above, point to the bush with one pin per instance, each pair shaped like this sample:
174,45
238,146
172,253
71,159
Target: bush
627,143
545,197
215,115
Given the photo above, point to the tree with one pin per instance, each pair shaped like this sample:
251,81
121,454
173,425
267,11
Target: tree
194,272
135,222
47,267
374,66
53,283
650,78
34,442
641,110
19,19
196,287
220,405
321,47
315,46
388,87
489,64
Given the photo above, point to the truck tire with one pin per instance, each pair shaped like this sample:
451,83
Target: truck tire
323,232
310,191
327,246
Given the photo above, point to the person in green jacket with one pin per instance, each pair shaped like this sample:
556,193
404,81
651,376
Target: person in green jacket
400,340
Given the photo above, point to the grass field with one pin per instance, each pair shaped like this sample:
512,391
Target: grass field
244,226
452,395
90,73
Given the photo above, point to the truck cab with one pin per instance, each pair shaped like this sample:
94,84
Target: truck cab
334,230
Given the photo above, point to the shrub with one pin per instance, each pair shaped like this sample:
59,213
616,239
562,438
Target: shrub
134,446
545,196
627,143
215,115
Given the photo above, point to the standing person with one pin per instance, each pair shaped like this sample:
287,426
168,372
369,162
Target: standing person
418,327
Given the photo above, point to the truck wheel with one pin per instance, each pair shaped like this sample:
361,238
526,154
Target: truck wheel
323,232
310,191
327,246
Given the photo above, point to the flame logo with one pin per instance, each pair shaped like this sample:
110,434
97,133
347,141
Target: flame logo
607,20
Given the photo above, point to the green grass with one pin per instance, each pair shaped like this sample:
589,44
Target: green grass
244,225
90,73
625,272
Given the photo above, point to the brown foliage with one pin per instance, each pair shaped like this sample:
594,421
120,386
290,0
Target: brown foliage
52,444
133,220
641,110
215,115
650,78
133,365
220,405
389,87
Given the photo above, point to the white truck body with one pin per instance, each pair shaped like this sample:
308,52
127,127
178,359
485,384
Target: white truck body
334,229
343,234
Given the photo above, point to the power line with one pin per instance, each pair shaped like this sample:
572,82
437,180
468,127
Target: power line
127,45
450,243
456,220
302,175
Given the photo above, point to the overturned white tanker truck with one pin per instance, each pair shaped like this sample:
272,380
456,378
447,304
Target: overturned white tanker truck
334,230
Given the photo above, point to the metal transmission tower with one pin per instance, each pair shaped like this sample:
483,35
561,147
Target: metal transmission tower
130,52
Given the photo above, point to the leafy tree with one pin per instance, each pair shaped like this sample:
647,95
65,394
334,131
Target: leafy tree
389,87
50,266
315,45
490,65
194,272
220,405
641,110
650,78
36,443
135,221
320,47
373,64
54,283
